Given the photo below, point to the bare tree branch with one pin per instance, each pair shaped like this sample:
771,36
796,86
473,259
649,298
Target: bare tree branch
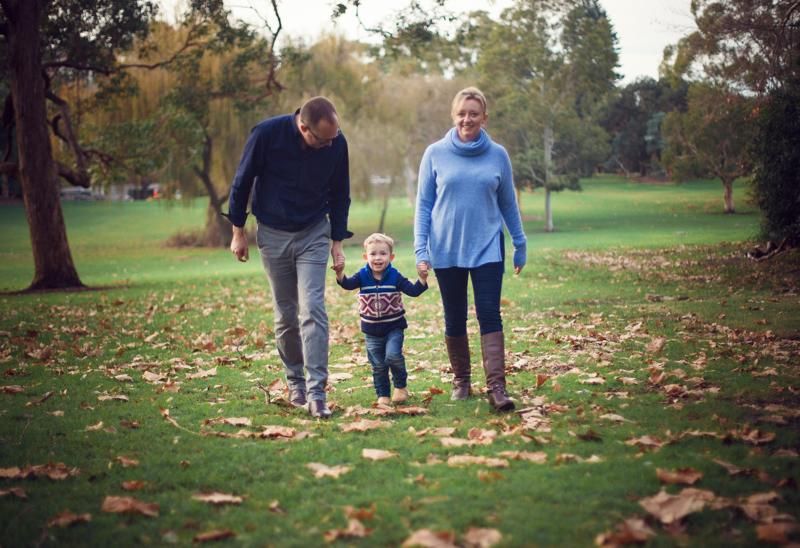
70,175
69,137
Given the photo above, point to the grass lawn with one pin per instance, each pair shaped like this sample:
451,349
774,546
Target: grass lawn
655,370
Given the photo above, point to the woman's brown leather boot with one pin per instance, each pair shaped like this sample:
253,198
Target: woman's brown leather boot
458,352
493,349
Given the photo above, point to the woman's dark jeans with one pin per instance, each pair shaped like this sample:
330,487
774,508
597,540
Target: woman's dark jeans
487,283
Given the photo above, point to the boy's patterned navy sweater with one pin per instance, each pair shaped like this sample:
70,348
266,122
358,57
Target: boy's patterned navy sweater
380,302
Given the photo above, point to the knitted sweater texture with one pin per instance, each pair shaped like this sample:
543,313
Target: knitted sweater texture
465,194
380,302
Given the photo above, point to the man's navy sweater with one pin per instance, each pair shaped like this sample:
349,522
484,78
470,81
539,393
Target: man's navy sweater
295,185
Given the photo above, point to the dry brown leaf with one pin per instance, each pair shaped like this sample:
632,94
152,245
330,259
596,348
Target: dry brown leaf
454,442
672,508
12,389
360,513
322,470
355,529
467,460
684,476
538,457
646,443
278,431
217,498
129,505
630,531
656,345
95,427
127,462
124,377
425,538
214,535
202,374
18,492
232,421
151,377
541,379
15,472
115,397
732,469
410,410
275,507
363,425
441,431
67,519
165,414
133,485
377,454
777,532
477,537
614,417
478,436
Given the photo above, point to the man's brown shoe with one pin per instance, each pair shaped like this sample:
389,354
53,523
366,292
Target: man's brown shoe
318,409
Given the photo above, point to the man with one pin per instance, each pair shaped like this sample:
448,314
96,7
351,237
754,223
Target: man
297,166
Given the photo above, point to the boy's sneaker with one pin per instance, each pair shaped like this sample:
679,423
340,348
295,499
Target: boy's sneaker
400,395
383,400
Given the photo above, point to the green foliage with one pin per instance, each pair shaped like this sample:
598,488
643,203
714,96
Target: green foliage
776,153
712,136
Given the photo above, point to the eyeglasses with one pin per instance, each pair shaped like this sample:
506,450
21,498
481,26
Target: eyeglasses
319,139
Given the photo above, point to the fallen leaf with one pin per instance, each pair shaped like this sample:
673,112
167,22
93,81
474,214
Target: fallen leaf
67,519
672,508
630,531
777,532
214,535
363,425
322,470
646,442
377,454
129,505
477,537
232,421
538,457
684,476
18,492
217,498
94,427
478,436
466,460
425,538
127,462
133,485
355,529
203,374
540,380
12,389
151,377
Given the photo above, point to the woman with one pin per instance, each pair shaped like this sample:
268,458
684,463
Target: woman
465,194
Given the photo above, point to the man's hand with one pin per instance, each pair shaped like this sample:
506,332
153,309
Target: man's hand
338,256
239,246
422,270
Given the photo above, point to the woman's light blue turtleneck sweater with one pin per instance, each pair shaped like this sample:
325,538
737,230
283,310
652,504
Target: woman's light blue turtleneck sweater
465,192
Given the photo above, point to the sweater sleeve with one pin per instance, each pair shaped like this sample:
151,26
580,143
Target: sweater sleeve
410,289
507,201
353,282
249,167
340,197
426,197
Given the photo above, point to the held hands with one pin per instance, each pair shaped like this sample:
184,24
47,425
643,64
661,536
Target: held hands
239,246
422,271
338,259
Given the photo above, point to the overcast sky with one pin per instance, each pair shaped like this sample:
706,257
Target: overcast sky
643,27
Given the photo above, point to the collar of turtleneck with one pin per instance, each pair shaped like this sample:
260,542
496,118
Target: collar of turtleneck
470,148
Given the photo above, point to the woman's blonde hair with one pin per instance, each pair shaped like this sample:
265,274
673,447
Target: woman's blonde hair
469,93
376,238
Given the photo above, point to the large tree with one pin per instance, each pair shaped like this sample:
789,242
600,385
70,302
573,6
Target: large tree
40,39
547,66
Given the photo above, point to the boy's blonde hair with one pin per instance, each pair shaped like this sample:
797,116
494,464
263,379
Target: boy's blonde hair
376,238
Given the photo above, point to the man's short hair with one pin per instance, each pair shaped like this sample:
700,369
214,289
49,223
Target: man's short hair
316,109
378,238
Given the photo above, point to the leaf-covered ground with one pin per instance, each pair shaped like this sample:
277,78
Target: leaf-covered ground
657,395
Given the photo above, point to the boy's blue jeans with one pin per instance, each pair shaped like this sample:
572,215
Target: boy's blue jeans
386,354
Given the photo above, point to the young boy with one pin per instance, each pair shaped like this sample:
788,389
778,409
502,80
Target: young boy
383,319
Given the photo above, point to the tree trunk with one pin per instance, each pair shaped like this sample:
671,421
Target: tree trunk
728,195
549,141
385,207
218,229
53,266
548,211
